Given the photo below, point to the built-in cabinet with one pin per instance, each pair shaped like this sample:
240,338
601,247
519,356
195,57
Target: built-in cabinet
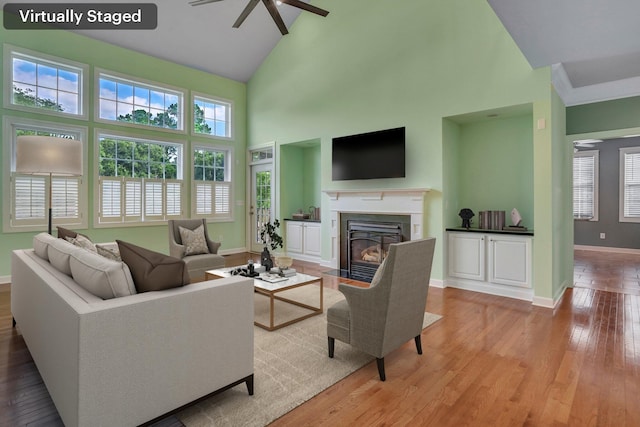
494,263
304,240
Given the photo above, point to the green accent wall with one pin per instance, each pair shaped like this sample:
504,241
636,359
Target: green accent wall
376,65
602,116
98,54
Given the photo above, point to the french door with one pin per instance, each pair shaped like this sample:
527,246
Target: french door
262,201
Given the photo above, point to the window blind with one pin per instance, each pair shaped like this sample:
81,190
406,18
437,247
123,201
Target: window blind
631,185
584,186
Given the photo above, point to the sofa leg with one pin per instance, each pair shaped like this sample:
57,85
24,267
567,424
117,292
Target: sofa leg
14,322
380,361
418,344
332,345
249,382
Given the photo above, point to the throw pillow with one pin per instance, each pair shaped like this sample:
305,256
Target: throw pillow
194,241
82,241
153,271
63,233
109,253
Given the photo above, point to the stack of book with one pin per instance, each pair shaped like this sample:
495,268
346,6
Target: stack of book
287,272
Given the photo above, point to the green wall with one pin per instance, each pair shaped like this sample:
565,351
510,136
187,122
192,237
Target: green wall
97,54
495,167
602,116
375,65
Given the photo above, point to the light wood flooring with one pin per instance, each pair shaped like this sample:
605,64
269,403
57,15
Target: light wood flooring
490,361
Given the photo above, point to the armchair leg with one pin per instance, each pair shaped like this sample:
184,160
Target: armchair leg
380,362
332,344
14,322
418,344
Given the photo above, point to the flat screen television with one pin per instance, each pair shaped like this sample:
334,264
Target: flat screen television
371,155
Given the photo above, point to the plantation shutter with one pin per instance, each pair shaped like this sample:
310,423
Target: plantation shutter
29,195
173,194
584,173
204,198
65,197
110,199
222,199
631,185
153,203
213,199
132,199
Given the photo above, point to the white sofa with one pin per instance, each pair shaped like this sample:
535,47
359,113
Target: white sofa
128,360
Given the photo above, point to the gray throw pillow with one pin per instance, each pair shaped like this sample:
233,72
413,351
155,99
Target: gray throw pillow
109,253
194,241
153,271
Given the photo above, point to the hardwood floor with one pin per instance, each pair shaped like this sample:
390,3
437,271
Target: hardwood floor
489,361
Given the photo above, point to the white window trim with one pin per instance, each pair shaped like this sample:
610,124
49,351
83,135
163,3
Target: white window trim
228,182
9,125
123,220
100,72
596,176
9,50
214,99
621,181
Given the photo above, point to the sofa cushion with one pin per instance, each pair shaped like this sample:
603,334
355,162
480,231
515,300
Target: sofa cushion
41,245
59,252
194,241
153,271
102,277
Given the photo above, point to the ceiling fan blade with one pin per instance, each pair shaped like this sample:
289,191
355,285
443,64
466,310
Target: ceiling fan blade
306,6
247,10
201,2
273,10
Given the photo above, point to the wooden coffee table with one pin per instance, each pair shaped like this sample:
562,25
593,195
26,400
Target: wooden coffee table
272,290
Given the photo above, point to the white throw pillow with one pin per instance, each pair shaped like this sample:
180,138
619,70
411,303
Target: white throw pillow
194,241
82,242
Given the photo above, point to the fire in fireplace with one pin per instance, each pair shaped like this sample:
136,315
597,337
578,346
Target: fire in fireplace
368,244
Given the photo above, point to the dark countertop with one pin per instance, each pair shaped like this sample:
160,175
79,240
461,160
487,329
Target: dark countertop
487,231
302,220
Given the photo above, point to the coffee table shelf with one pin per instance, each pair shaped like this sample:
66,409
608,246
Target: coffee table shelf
271,290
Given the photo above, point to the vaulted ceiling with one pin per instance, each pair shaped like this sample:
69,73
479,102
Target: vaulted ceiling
593,46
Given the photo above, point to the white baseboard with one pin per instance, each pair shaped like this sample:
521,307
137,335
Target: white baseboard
437,283
606,249
4,280
233,251
552,303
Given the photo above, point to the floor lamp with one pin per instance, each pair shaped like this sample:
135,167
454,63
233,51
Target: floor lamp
48,155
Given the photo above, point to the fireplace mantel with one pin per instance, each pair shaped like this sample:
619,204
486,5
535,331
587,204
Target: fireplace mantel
388,201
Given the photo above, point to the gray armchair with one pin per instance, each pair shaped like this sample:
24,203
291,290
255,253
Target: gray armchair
381,318
196,264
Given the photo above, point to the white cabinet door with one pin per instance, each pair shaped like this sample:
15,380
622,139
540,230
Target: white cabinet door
467,255
311,239
294,236
509,260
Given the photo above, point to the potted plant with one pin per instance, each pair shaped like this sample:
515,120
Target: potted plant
271,239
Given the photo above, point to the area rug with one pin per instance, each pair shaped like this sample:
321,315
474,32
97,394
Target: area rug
291,366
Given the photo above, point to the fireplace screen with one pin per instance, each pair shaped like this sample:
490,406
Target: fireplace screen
368,246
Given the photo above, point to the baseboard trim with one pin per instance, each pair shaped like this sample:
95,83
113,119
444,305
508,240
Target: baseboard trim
233,251
437,283
552,303
5,280
606,249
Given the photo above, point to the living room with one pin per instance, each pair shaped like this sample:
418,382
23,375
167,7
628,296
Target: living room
449,73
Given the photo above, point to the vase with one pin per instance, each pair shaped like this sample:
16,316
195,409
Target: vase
265,259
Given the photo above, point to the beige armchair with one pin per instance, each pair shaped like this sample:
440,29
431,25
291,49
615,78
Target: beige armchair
196,264
381,318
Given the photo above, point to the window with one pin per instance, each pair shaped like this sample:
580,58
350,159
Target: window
585,185
139,180
142,104
211,183
44,83
25,196
629,184
211,117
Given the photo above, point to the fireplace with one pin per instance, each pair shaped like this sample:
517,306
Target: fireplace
366,239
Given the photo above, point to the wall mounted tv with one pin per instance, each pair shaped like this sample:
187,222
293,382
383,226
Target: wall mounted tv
371,155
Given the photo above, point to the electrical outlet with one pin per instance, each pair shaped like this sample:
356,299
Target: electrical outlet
602,236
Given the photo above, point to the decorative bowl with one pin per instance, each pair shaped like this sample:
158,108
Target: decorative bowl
283,262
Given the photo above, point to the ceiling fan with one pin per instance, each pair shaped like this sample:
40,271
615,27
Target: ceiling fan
271,7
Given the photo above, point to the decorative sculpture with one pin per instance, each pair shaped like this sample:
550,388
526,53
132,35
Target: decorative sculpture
466,214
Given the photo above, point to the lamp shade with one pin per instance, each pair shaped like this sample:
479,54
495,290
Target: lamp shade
48,155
